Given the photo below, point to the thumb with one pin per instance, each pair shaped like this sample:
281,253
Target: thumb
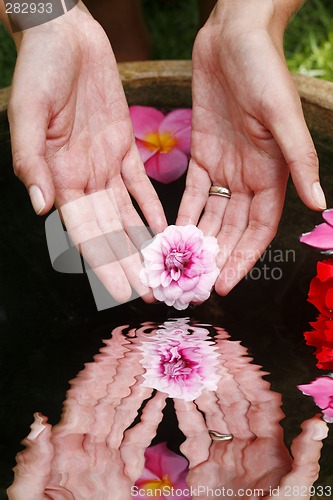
28,123
306,449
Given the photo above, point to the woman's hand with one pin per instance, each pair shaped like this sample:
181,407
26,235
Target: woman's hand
248,134
73,144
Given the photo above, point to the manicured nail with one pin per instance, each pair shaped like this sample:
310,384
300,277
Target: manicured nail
320,431
37,199
318,196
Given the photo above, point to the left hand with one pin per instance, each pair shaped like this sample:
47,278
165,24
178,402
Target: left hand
248,133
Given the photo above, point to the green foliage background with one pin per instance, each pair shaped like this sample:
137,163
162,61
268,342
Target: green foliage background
173,25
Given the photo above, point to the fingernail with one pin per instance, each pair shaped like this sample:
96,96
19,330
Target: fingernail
318,196
37,199
36,427
320,431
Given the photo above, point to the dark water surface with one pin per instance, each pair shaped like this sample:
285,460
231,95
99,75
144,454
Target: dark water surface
50,326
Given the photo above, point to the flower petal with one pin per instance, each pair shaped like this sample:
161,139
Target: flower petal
167,167
320,237
145,152
328,216
178,123
145,120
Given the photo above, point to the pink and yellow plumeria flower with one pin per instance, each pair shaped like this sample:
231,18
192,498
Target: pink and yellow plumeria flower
163,471
163,141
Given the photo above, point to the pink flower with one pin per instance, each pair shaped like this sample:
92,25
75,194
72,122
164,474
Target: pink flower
180,361
163,141
163,470
321,236
180,265
321,390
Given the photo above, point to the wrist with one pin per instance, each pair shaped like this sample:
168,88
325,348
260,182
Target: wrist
255,14
23,19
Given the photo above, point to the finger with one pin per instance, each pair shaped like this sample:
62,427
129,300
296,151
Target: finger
234,224
86,233
265,213
90,386
195,195
28,126
306,452
289,129
208,404
140,187
211,221
33,468
232,401
126,413
138,438
108,216
192,424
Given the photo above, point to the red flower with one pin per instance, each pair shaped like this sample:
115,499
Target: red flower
321,288
322,338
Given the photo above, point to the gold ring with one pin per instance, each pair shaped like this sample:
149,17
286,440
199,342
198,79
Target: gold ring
216,436
220,191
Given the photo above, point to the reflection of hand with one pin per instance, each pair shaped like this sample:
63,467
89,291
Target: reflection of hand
90,454
72,136
256,458
248,134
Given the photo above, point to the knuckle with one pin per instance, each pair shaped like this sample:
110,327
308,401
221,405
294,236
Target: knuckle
19,165
266,228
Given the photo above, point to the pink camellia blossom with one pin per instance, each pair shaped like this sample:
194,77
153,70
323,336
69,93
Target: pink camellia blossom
180,266
163,471
180,361
163,141
321,236
321,389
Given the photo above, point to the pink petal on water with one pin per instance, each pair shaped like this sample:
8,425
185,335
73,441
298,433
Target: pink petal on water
145,120
178,124
328,216
167,167
320,237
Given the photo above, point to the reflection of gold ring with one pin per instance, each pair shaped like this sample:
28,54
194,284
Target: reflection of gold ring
217,436
220,191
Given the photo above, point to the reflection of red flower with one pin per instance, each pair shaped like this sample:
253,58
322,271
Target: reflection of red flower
322,338
321,288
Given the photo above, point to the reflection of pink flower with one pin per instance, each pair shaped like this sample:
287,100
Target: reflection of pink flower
321,236
163,471
163,141
321,390
180,265
180,361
